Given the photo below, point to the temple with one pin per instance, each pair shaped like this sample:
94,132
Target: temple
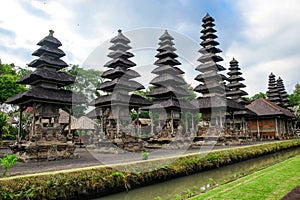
284,101
273,92
213,103
168,93
235,85
115,107
237,123
271,121
165,116
43,100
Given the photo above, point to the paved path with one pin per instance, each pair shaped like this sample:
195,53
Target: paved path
88,158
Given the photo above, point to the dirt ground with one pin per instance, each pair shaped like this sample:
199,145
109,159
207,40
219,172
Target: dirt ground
293,195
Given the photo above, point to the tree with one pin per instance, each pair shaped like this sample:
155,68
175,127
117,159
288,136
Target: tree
8,79
294,101
192,95
294,98
4,125
87,80
256,96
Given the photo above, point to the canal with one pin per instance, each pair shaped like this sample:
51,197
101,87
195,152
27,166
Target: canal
169,189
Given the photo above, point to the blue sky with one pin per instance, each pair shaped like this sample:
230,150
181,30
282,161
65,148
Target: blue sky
262,35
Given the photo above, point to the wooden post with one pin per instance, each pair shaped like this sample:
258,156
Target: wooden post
276,127
193,126
138,126
243,126
172,121
151,114
20,126
233,122
186,123
33,119
258,131
69,127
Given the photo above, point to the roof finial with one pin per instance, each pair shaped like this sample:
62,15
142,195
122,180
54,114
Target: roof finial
51,33
119,31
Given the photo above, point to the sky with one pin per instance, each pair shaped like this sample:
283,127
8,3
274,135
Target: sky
262,35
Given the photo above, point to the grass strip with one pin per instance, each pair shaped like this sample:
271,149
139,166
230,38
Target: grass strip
270,183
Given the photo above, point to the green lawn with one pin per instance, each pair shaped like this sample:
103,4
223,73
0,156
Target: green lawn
270,183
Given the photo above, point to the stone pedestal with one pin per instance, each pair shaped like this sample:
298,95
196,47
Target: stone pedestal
39,151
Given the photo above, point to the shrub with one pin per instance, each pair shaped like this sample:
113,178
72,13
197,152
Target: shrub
7,162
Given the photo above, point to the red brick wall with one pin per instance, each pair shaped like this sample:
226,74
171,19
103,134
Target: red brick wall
266,126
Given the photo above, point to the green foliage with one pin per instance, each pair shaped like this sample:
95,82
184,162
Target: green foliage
8,85
145,155
7,162
23,71
256,96
294,101
192,95
4,125
87,80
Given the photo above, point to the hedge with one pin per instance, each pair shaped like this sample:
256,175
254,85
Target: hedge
98,181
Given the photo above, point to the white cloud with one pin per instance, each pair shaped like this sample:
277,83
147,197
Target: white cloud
268,43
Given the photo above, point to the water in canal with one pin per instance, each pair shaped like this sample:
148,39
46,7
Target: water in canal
169,189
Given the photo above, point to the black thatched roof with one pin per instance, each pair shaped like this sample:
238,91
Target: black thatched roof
210,57
204,67
50,40
120,62
42,75
166,47
207,18
167,79
212,87
170,104
210,49
210,75
284,101
265,108
47,95
119,46
46,61
166,53
167,61
164,91
118,54
273,92
207,103
118,98
120,38
238,93
167,69
244,113
120,83
49,50
120,72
